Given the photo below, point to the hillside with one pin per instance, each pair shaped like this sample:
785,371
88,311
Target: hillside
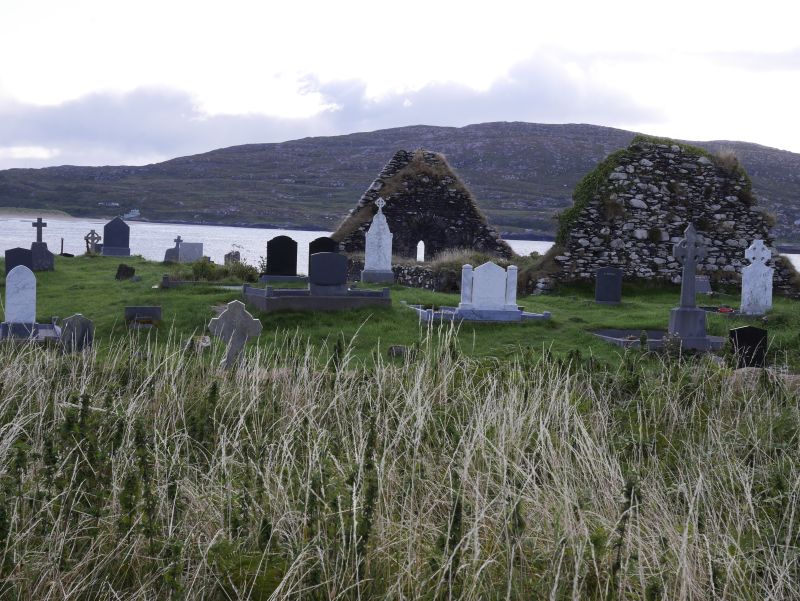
521,174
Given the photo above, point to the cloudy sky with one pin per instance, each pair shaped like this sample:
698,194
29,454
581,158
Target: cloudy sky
90,82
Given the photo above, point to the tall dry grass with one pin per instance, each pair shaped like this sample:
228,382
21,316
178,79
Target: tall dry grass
150,474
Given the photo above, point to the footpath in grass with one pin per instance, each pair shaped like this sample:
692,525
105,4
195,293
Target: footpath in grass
86,285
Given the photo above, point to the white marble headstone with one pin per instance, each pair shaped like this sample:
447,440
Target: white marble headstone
20,296
489,287
757,280
378,248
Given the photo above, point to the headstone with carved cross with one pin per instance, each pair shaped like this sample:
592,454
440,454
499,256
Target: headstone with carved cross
234,326
687,321
757,280
92,238
378,249
41,258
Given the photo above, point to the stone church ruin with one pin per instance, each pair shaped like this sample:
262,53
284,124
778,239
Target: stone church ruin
425,202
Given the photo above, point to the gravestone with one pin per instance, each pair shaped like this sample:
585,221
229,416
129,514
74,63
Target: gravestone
757,280
702,285
91,239
750,346
327,274
234,326
20,307
282,256
116,238
608,286
142,317
687,321
18,256
125,272
378,249
189,252
233,257
323,244
77,333
171,255
41,258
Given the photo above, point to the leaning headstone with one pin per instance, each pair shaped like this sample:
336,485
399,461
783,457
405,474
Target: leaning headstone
234,326
757,280
750,346
20,307
18,256
125,272
77,333
608,286
282,256
233,257
189,252
687,321
327,274
116,238
378,249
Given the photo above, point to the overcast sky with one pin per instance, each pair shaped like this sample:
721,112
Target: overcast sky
111,82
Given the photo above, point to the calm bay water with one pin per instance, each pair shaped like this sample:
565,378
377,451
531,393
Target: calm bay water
151,239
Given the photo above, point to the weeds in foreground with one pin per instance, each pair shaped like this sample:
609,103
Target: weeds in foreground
302,475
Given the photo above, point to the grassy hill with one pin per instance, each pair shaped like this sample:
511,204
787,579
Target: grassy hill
521,174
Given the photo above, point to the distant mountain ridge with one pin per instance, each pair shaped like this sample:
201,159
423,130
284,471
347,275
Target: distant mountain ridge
520,173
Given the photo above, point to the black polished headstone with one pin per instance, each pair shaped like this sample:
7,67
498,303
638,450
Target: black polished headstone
323,244
282,256
18,256
116,238
608,285
750,345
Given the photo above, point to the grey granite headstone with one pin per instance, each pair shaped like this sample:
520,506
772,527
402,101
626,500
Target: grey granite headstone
189,252
77,333
18,256
750,345
116,238
282,256
687,321
41,258
608,285
327,274
702,284
234,326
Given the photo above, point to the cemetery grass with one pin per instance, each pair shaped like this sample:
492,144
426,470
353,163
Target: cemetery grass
86,285
146,472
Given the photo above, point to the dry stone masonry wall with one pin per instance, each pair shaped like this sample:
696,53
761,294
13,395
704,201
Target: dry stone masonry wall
425,201
636,204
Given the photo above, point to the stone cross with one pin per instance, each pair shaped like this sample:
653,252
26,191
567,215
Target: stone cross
38,224
178,240
380,203
757,252
689,253
234,326
92,238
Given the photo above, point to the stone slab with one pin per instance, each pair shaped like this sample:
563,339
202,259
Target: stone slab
327,269
269,304
41,257
115,251
608,286
150,314
189,252
377,277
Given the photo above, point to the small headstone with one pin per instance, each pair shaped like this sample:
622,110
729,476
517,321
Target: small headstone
116,238
234,326
18,256
77,333
702,285
757,280
327,274
143,316
189,252
282,256
91,239
125,272
608,285
41,258
233,257
750,346
20,305
378,249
